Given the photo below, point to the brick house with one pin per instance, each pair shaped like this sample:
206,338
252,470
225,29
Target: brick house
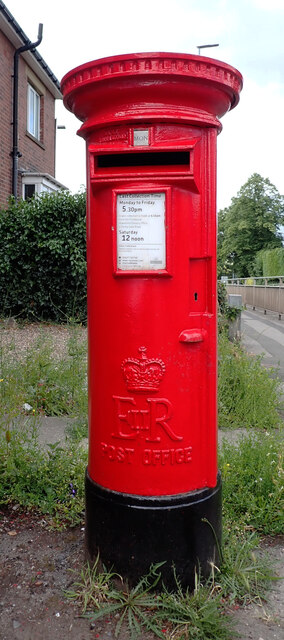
27,159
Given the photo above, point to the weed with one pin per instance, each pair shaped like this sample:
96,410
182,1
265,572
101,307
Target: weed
37,382
134,606
93,588
253,487
51,482
179,614
194,616
244,576
172,615
77,430
248,395
48,385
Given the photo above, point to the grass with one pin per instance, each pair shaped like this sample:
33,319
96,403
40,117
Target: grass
93,587
244,575
249,397
133,606
178,614
51,482
171,615
32,384
253,482
38,379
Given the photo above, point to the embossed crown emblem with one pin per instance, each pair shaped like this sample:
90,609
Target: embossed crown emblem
144,374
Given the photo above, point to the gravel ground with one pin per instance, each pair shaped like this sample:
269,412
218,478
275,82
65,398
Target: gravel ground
21,338
35,569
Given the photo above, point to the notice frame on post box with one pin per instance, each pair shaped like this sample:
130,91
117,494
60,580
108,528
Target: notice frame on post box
141,231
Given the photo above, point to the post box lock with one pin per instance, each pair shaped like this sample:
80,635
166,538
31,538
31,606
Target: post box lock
192,335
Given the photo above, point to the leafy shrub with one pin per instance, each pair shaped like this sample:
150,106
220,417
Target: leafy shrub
43,257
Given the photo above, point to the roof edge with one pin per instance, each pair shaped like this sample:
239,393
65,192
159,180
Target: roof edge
25,173
34,58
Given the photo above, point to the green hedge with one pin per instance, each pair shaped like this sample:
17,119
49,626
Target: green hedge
43,258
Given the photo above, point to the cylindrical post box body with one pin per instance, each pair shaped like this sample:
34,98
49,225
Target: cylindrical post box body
152,486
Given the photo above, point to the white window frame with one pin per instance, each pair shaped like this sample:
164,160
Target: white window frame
33,112
42,182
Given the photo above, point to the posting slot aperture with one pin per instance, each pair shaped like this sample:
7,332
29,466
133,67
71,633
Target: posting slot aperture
143,159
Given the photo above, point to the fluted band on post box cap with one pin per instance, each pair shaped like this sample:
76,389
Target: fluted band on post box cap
190,88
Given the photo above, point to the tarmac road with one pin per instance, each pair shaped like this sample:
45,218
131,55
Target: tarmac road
264,335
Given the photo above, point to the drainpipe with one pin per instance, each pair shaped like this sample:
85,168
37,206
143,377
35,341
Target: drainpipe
15,151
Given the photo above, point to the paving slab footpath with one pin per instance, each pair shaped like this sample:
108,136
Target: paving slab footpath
55,429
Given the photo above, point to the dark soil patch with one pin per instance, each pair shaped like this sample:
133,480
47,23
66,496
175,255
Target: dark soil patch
36,567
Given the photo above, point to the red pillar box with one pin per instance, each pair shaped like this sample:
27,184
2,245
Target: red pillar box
150,122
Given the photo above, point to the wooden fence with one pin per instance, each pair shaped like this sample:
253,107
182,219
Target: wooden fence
259,293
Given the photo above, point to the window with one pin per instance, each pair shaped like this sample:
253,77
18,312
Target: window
33,184
29,191
33,120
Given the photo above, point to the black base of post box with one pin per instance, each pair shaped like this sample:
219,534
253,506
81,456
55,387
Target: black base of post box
132,532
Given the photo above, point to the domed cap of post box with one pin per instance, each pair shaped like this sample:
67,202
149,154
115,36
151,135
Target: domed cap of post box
164,87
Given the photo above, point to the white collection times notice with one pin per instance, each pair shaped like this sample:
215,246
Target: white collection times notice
141,234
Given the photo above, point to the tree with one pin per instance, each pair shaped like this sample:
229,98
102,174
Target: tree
270,262
250,224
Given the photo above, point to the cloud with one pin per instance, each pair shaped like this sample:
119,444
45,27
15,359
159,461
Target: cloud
252,141
250,35
271,5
